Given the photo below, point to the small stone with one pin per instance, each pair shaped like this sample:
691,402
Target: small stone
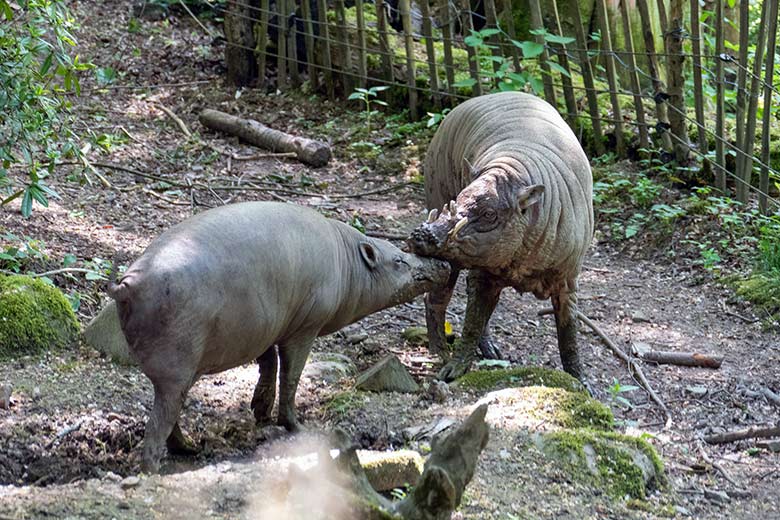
504,454
328,367
113,477
416,335
773,446
389,375
354,339
113,416
5,397
130,482
439,391
639,348
640,317
36,393
719,497
697,391
680,510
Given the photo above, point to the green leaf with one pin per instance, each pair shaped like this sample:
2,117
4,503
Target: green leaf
531,49
469,82
379,102
490,31
27,202
8,13
12,197
537,84
356,95
93,275
68,260
473,41
46,65
554,38
559,68
38,194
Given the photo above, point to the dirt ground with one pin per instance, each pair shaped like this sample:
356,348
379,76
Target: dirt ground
76,421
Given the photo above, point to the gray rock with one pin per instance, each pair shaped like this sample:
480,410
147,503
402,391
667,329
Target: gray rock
5,397
698,391
130,482
640,317
389,375
354,339
680,510
105,335
439,391
719,497
388,470
328,367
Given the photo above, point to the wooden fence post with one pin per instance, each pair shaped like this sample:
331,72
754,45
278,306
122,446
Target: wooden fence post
308,28
346,53
468,26
587,77
491,19
744,29
384,45
676,90
430,49
698,89
509,22
411,74
606,42
538,23
281,45
262,41
763,182
563,61
292,44
720,138
446,36
327,64
361,36
239,58
639,105
655,73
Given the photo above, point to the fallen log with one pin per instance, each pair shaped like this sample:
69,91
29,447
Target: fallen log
315,153
746,433
686,359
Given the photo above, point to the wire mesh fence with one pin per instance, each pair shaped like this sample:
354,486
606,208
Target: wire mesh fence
642,90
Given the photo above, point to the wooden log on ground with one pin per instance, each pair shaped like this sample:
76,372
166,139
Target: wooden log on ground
311,152
748,433
686,359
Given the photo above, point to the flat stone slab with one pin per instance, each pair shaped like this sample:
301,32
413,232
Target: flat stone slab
105,335
389,375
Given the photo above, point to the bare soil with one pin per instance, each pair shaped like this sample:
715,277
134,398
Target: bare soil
76,420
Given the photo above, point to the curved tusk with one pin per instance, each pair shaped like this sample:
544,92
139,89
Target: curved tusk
453,207
445,211
432,216
460,225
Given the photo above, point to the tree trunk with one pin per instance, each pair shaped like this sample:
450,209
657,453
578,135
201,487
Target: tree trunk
239,51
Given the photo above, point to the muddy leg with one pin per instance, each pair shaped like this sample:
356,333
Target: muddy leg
436,314
265,390
292,358
564,304
168,399
483,293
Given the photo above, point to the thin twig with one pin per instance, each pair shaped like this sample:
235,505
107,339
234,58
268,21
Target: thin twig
165,199
53,272
195,18
387,236
176,119
747,433
716,465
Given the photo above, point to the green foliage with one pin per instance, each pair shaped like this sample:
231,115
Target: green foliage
369,97
37,69
35,317
20,252
615,389
485,380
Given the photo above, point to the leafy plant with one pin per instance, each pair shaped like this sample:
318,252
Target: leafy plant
615,389
369,97
20,252
37,69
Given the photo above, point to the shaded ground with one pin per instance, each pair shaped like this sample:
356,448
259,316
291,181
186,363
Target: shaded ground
77,417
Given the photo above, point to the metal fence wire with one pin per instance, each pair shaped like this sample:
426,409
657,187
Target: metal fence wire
439,52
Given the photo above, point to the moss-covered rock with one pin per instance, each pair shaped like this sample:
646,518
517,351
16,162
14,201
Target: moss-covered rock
486,380
34,317
387,470
625,466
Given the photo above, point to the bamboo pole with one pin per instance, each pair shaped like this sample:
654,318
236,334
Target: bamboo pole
720,151
763,182
655,73
606,41
698,89
755,85
538,23
563,61
361,36
587,77
322,15
384,44
411,74
446,35
281,46
744,27
676,90
509,23
292,45
346,53
427,30
468,26
308,28
262,41
639,106
491,19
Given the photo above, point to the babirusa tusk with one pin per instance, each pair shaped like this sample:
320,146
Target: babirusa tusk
453,207
432,215
445,211
460,225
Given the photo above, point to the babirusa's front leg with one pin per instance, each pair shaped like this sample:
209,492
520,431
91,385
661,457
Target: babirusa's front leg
564,306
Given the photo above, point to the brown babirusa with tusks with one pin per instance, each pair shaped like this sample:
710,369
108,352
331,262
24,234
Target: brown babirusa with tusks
515,188
252,281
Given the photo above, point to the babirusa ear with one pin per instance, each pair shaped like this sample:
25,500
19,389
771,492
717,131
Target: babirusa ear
369,254
529,196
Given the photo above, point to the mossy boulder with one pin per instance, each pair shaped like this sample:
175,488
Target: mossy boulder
486,380
387,470
626,467
34,317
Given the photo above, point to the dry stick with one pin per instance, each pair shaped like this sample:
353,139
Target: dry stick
192,15
746,163
654,72
384,43
411,73
430,49
687,359
763,182
468,26
676,90
639,106
538,23
720,115
747,433
606,41
698,89
311,152
771,396
632,366
563,59
361,36
55,271
308,34
164,198
587,77
716,465
262,41
744,28
176,119
387,236
322,14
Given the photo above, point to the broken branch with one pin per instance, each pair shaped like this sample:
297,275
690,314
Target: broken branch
687,359
176,119
747,433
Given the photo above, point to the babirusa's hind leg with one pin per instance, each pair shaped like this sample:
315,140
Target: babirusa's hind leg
436,303
564,307
265,391
168,400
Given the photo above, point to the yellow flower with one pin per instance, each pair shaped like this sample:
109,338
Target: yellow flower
447,328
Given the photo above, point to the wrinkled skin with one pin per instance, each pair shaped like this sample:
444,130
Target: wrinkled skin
252,281
515,190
